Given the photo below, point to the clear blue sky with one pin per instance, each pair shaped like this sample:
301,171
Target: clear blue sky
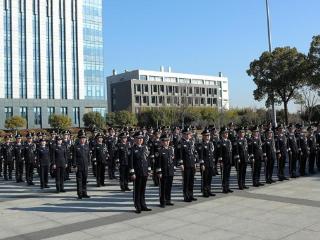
204,36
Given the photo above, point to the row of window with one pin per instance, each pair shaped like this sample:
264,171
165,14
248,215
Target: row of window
179,80
161,100
161,89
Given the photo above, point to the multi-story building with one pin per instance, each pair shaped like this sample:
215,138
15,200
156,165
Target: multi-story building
51,60
143,89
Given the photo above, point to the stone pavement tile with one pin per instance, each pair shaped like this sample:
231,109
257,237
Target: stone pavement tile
300,210
219,234
304,234
190,231
74,235
146,220
260,203
135,233
260,229
156,236
248,213
108,229
315,227
178,212
164,225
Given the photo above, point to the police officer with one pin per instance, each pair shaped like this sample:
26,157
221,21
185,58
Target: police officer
317,136
206,152
154,145
139,169
67,143
311,142
81,162
281,152
188,158
214,138
7,153
302,148
111,142
60,163
122,156
256,155
224,153
292,151
240,157
165,170
19,158
30,158
43,158
269,150
52,144
100,157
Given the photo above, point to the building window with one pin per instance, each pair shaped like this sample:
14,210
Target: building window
7,35
138,87
36,50
161,87
146,88
214,101
76,116
168,100
137,99
209,101
37,115
197,90
64,110
156,78
170,79
202,101
169,89
102,111
203,90
143,77
51,111
8,112
153,100
215,91
24,112
190,100
190,90
161,98
144,99
155,89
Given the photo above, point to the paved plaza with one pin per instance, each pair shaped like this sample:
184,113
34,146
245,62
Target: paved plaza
285,210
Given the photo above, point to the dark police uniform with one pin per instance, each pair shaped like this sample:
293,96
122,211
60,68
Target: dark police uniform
111,142
165,167
60,161
30,158
43,158
154,146
122,155
81,160
311,142
317,136
100,158
69,150
140,167
269,150
240,157
282,154
293,154
7,153
303,152
256,156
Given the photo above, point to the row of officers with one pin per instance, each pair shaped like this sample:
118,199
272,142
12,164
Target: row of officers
140,154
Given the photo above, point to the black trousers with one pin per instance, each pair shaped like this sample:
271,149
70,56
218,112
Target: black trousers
165,189
188,183
269,165
303,163
207,179
318,159
8,167
44,172
124,176
0,166
19,171
293,157
256,170
29,171
111,167
60,171
226,169
241,173
82,176
101,169
139,192
312,160
281,165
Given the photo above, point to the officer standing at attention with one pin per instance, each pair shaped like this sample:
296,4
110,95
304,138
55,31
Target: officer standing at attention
8,154
100,158
30,154
81,163
188,157
224,153
43,158
60,163
165,170
207,162
18,157
122,156
140,170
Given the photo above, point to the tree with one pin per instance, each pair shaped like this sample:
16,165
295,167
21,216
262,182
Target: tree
111,118
60,122
15,122
314,61
279,75
93,119
124,118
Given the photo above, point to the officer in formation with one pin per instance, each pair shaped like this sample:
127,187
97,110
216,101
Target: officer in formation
146,152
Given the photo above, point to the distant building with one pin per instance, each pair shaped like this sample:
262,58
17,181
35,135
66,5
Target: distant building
139,89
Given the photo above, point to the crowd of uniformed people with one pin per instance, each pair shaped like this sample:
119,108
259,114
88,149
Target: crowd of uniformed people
138,154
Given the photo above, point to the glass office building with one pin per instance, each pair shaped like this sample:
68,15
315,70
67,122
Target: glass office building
52,59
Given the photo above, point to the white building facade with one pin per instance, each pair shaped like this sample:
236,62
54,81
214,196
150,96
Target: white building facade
47,67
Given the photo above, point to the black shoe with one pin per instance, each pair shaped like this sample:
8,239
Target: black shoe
193,199
138,211
102,184
230,191
62,190
57,191
272,181
41,187
187,200
46,186
260,184
225,191
123,189
79,197
169,204
162,205
245,187
146,209
240,188
127,189
98,185
285,178
205,195
86,196
211,194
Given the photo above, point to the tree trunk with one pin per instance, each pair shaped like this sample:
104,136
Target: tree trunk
285,112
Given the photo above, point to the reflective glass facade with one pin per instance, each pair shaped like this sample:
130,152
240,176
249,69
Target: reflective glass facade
95,86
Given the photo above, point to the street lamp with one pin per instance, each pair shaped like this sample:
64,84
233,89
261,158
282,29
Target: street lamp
274,114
